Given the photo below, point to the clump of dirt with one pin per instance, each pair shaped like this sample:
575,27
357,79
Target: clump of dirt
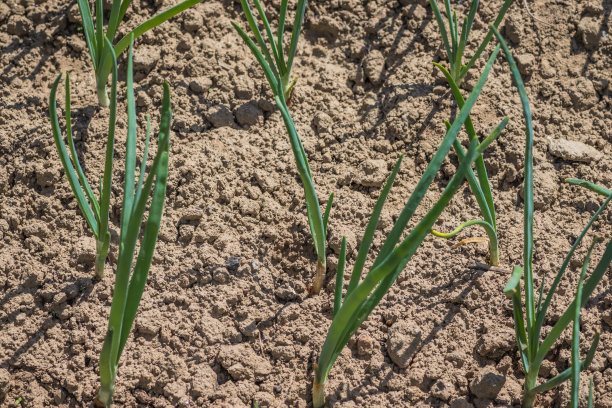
226,319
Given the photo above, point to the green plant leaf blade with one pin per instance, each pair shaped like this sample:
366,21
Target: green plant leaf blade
75,158
590,186
130,146
73,179
530,316
513,284
340,276
260,58
88,29
368,236
568,315
312,201
328,208
264,19
575,368
295,34
110,145
442,28
481,190
434,165
390,261
485,41
152,23
359,303
566,374
258,37
147,248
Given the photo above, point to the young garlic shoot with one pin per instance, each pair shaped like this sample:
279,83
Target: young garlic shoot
131,276
277,70
95,211
277,67
362,295
455,48
529,321
95,36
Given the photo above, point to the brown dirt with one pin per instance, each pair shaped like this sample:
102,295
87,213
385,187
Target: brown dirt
226,319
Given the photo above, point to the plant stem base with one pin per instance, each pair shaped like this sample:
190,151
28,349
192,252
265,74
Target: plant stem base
528,401
318,395
319,277
105,396
103,100
101,254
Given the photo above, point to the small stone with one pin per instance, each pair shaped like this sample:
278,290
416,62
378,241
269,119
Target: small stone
73,14
583,94
285,292
18,25
372,173
526,63
243,363
220,275
85,250
374,66
461,403
204,381
233,263
487,383
514,28
249,114
142,99
365,344
588,32
442,390
219,116
573,151
200,85
192,20
147,327
191,214
322,122
238,372
175,391
265,105
404,341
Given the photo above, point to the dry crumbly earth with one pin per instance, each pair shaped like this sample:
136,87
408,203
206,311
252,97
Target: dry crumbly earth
226,319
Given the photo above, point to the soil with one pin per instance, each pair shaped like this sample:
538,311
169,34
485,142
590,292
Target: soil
226,319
